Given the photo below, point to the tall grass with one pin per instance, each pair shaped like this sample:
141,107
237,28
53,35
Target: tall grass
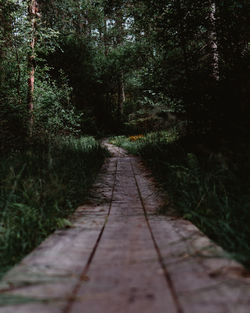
210,190
40,187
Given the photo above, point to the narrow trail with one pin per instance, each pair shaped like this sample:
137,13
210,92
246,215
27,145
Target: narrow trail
120,256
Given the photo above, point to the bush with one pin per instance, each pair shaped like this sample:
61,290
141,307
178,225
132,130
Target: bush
54,112
210,190
38,192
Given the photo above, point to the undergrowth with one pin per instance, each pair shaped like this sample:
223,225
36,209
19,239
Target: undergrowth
40,187
211,189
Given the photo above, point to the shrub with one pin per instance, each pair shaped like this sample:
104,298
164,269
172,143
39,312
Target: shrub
38,192
208,189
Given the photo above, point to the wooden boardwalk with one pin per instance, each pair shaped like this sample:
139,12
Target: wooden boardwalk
119,256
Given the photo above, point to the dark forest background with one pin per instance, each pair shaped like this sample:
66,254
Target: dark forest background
113,66
175,72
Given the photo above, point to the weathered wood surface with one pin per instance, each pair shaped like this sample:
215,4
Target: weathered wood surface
120,256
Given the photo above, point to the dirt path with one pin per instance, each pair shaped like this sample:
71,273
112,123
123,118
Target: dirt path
119,256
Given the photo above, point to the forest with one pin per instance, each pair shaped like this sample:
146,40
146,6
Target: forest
167,80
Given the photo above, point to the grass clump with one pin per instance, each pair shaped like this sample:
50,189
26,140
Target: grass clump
210,189
40,187
134,144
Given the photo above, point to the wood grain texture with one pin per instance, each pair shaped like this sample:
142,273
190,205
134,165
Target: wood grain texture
121,256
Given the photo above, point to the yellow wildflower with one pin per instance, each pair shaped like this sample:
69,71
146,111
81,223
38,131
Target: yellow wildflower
135,138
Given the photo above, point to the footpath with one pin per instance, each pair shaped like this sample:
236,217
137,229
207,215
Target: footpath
121,256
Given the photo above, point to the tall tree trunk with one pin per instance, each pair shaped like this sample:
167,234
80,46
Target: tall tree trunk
182,39
119,41
121,93
5,38
2,55
18,83
105,37
213,42
80,19
32,11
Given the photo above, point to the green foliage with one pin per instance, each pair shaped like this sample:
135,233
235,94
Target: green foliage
7,300
135,146
54,112
153,112
38,192
162,47
53,109
162,53
181,62
210,190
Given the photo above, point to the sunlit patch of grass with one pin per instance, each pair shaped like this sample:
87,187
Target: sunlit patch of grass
40,187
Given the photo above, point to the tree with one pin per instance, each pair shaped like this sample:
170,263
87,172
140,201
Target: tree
213,42
33,15
187,58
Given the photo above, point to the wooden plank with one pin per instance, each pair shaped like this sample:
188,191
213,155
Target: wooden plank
205,279
125,275
51,272
121,257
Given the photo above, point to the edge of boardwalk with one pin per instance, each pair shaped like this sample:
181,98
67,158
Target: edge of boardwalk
204,280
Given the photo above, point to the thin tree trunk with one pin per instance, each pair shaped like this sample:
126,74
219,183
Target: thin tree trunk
6,33
213,42
182,39
80,20
119,41
32,11
18,74
105,37
121,93
1,67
